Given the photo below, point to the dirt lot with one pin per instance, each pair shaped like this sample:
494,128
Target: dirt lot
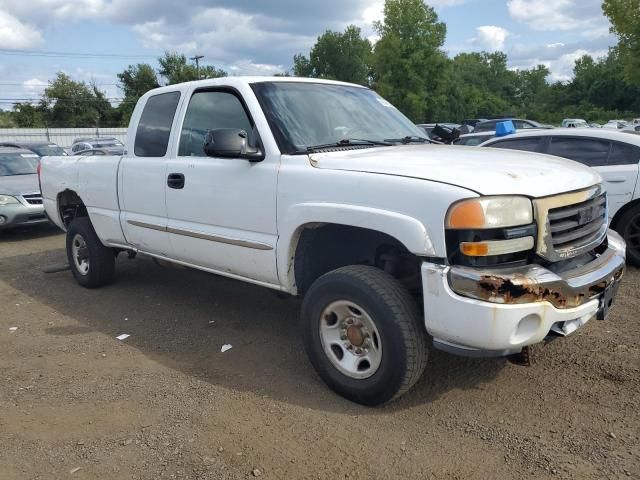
75,402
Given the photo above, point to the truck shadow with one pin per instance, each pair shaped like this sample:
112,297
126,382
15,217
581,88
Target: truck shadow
20,234
181,318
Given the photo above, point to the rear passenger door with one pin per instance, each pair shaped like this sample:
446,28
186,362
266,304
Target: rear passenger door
617,162
143,177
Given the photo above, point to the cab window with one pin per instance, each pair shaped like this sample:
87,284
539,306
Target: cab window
210,110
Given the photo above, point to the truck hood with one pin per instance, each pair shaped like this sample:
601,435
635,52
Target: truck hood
487,171
19,184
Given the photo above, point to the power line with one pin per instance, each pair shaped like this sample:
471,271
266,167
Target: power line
57,54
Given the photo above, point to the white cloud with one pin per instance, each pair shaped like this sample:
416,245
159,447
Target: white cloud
559,58
34,86
559,14
562,68
15,34
490,37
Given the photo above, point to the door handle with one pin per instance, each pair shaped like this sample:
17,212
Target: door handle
615,180
175,180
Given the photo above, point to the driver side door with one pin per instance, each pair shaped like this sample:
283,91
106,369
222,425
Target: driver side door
222,214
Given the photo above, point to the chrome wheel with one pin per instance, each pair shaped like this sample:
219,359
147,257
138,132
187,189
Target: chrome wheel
80,254
350,339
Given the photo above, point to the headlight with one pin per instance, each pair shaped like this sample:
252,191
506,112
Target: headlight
489,231
490,212
7,200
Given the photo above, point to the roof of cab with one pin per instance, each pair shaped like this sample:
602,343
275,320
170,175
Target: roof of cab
244,80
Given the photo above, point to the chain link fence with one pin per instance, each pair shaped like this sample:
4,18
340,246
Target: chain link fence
60,136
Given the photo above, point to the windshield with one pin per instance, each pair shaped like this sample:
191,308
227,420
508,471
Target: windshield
18,164
304,115
48,150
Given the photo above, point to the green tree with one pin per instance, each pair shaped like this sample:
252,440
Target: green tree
26,115
67,103
175,69
135,81
483,84
338,56
410,68
625,19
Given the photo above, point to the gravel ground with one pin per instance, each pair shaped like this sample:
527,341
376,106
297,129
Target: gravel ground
75,402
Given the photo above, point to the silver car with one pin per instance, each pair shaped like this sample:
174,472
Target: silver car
20,197
82,144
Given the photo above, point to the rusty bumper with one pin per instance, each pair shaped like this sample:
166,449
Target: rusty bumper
568,288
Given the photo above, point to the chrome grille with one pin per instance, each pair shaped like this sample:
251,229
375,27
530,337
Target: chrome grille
571,224
575,226
33,199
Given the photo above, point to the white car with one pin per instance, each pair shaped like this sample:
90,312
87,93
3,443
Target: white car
615,155
574,123
616,124
324,190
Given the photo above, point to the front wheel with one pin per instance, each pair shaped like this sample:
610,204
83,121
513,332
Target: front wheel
363,334
92,264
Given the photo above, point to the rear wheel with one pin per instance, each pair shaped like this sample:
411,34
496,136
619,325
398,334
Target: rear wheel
92,264
629,227
363,334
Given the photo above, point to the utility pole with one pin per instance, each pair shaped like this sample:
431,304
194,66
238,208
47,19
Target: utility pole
197,60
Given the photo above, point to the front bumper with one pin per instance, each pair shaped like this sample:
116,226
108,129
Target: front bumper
496,312
19,214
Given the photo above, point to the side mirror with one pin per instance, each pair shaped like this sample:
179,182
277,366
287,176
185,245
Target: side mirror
231,143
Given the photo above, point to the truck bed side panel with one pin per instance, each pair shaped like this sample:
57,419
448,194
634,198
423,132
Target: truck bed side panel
94,180
98,188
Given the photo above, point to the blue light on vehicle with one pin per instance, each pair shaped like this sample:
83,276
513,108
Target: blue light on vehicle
505,128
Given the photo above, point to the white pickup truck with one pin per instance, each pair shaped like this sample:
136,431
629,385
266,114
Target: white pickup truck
324,190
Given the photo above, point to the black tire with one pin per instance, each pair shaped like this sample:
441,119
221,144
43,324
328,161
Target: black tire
101,259
628,225
395,315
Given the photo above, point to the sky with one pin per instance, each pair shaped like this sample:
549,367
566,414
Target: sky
260,37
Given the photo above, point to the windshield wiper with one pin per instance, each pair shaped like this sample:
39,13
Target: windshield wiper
349,142
408,139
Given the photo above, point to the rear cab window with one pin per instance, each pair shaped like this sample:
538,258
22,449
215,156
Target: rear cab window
154,126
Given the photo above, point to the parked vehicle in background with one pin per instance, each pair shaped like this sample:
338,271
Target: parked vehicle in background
324,190
20,198
574,123
594,125
474,139
428,129
520,124
615,155
103,151
41,149
636,121
631,128
472,122
82,144
616,124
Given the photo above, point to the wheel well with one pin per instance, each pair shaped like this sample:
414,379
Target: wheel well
325,247
616,218
70,206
